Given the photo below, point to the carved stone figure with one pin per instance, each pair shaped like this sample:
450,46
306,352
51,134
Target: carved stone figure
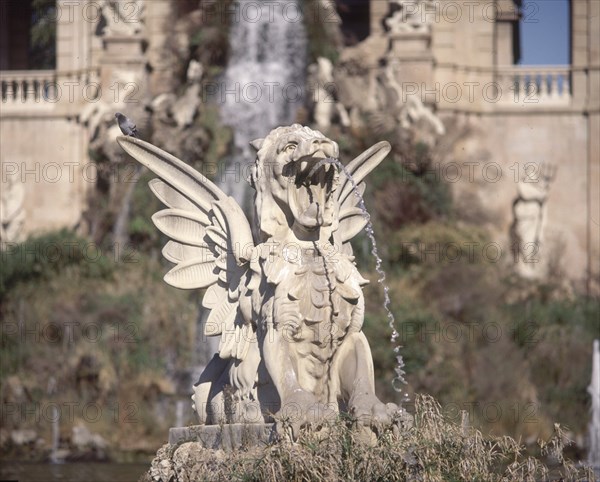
121,17
406,110
185,108
326,108
410,16
528,218
12,213
284,294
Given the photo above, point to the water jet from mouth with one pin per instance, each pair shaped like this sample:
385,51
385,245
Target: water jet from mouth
399,379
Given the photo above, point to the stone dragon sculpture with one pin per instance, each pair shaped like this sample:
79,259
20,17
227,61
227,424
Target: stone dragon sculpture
284,294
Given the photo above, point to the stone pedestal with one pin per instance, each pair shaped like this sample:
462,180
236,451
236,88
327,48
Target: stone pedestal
411,59
410,45
123,62
123,53
119,48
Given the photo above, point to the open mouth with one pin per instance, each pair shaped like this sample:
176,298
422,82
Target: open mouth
316,179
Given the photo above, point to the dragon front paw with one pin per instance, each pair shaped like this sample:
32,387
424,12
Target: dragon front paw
371,412
302,409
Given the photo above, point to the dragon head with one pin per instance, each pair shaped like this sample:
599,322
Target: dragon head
294,181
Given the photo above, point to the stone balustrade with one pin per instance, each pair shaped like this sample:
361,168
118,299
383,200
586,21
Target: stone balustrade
21,90
531,85
25,89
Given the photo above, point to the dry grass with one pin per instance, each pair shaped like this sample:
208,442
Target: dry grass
434,449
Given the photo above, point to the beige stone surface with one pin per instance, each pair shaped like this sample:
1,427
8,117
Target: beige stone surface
54,169
224,437
534,141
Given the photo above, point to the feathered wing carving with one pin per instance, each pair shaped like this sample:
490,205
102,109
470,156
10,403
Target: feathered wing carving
211,242
352,218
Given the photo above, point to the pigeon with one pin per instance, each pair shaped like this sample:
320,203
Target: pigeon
126,125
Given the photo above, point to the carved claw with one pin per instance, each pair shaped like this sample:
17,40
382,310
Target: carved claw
371,412
374,412
302,409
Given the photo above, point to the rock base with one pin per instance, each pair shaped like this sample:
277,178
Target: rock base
194,451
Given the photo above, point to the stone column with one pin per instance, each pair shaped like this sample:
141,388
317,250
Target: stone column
413,51
593,107
159,25
594,426
75,24
410,44
580,12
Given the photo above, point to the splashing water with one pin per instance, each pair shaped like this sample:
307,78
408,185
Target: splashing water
399,379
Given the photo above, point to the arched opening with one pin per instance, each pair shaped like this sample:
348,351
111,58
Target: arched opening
356,20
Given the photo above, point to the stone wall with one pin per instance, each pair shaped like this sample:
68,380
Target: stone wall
49,118
460,63
537,161
48,156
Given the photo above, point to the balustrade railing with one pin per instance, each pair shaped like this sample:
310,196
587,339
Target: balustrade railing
30,88
520,85
535,84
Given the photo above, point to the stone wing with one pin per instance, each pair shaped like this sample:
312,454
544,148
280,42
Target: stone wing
211,242
352,217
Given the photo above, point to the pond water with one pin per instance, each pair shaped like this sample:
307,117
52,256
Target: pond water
72,472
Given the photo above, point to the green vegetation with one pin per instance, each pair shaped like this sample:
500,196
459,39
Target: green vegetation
42,48
105,328
321,30
43,258
221,137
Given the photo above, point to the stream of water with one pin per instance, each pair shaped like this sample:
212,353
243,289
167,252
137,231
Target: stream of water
398,381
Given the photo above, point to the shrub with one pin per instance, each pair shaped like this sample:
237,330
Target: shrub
45,256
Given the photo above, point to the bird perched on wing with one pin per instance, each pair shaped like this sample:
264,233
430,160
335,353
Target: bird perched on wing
126,125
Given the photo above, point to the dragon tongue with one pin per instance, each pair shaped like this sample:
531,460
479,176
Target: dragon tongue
303,197
312,211
308,201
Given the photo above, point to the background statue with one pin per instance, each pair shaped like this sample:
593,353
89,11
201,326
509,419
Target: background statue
121,17
528,217
12,213
410,16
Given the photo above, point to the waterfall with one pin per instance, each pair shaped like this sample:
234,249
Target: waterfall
55,457
263,82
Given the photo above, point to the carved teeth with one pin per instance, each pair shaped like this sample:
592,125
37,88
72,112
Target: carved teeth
316,179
